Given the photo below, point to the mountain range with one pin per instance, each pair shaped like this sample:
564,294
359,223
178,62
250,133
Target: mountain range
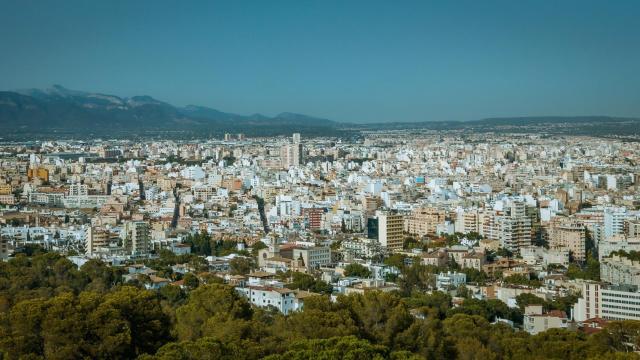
64,111
59,108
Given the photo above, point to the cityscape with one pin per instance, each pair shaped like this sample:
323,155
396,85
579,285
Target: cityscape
131,228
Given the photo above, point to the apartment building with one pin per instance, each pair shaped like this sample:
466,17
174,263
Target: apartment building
390,230
468,221
609,302
568,234
96,238
619,270
424,221
136,237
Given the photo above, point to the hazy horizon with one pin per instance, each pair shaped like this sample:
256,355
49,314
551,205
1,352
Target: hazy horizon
354,62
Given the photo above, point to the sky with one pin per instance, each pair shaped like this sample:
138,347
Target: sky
356,61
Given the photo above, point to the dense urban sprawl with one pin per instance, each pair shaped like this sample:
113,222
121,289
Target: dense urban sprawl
395,245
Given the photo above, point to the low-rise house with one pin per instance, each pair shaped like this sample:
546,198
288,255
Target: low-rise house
367,285
450,280
435,258
536,321
156,282
472,261
283,299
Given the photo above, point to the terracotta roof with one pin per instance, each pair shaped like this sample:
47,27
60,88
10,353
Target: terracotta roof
557,313
157,279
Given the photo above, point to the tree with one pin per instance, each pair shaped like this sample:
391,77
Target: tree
590,271
308,282
257,246
463,291
349,347
380,316
504,252
101,276
519,279
316,324
417,276
25,337
203,348
487,309
241,265
204,303
357,270
395,260
173,294
200,243
475,276
190,281
410,243
617,336
141,313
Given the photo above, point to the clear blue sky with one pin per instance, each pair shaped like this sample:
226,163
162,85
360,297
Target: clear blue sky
343,60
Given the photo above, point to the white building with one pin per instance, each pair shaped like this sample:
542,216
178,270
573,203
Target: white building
620,270
536,321
78,190
617,243
607,302
450,280
313,257
193,173
283,299
614,218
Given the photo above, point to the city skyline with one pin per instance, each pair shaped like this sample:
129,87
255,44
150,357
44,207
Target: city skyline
319,180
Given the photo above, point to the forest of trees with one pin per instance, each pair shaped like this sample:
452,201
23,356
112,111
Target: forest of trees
49,309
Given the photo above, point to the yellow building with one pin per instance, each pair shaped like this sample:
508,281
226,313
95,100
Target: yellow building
424,221
5,189
40,173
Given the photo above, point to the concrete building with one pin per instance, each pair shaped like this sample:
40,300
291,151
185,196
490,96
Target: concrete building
283,299
424,221
136,237
617,243
537,321
314,217
390,230
468,221
620,270
609,302
513,226
78,190
450,280
614,218
632,228
568,234
313,257
291,154
96,238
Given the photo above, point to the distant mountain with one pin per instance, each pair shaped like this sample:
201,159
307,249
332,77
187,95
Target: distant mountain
61,109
